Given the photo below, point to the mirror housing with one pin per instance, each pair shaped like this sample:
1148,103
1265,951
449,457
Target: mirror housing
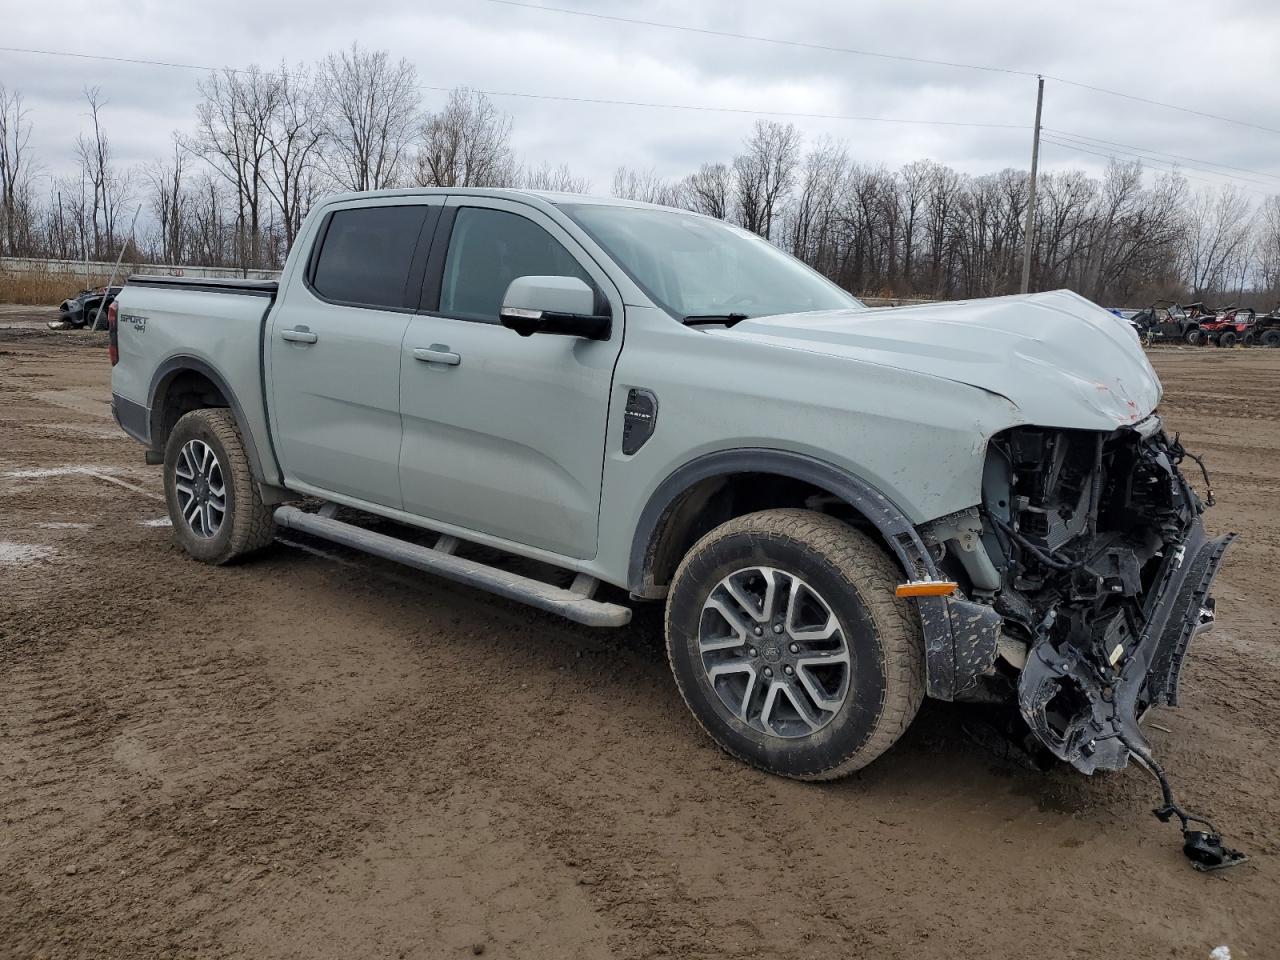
559,305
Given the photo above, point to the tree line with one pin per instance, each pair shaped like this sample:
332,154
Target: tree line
264,146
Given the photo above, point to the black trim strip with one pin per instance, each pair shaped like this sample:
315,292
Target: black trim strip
133,418
252,288
892,523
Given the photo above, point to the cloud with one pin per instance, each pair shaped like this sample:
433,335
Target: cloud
1208,58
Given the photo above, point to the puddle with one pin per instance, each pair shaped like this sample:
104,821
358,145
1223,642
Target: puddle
16,554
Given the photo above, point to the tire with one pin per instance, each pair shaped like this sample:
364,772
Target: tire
191,481
837,575
1195,337
1249,340
1227,338
1271,338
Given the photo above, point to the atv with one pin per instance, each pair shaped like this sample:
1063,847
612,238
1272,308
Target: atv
1166,322
1231,326
1265,331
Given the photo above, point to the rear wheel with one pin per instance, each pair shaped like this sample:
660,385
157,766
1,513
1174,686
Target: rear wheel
1271,338
789,646
214,505
1195,337
1228,338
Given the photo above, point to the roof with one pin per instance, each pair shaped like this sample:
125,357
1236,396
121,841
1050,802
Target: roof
548,196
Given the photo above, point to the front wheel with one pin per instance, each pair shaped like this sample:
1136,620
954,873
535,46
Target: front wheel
1271,338
1227,339
1195,337
214,505
788,643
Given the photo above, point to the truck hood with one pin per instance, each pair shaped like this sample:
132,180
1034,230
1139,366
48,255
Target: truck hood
1061,360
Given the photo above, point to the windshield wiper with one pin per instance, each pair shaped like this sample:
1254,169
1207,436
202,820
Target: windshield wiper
728,319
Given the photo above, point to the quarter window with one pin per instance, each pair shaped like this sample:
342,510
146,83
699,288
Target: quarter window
366,254
490,248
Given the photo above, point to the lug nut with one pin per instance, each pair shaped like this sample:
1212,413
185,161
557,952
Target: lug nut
768,671
777,628
757,631
751,651
787,669
794,648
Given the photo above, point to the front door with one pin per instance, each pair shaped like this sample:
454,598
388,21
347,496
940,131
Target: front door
504,434
334,350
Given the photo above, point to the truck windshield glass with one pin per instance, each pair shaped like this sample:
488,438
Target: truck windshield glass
694,266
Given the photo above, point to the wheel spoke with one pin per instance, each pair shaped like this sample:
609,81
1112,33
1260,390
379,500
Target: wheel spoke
787,679
736,624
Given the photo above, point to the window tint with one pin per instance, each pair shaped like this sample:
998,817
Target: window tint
490,248
366,254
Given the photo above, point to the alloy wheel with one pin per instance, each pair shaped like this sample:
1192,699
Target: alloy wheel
774,652
201,489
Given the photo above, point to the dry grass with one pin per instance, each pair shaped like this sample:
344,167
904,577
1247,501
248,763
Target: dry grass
44,288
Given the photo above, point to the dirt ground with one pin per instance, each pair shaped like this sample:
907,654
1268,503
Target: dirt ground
316,754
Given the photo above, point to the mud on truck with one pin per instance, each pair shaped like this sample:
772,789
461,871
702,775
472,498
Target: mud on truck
844,510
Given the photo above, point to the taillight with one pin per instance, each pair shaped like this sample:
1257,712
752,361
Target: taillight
113,342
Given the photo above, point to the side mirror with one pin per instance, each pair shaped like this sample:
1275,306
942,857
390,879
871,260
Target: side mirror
560,305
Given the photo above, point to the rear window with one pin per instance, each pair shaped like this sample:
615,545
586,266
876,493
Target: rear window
365,256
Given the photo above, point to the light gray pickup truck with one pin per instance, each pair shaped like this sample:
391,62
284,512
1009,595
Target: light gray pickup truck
844,509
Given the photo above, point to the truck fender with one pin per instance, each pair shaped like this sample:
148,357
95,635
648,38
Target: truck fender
959,635
164,375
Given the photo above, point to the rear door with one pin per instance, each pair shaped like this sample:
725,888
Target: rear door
504,434
334,349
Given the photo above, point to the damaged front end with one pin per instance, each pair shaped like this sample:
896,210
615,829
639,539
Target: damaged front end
1104,574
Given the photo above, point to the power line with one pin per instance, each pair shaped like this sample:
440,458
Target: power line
1173,166
562,99
1147,155
1157,159
761,39
885,56
1175,156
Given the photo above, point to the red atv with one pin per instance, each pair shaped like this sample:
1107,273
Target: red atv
1232,325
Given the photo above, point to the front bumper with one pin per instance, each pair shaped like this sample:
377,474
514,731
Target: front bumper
1082,711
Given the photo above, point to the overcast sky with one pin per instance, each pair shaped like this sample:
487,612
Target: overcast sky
1214,57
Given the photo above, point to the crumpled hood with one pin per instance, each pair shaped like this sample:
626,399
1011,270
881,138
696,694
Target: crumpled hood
1060,359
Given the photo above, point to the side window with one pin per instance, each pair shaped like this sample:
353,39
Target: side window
366,254
490,248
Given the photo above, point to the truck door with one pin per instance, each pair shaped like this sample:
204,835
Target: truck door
333,349
504,434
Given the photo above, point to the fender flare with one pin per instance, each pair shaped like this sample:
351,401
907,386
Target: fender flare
176,365
959,635
899,532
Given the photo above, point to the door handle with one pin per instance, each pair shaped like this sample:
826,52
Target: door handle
298,335
436,353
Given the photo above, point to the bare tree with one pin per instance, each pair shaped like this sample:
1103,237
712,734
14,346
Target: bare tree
764,173
234,122
370,109
648,187
1217,235
17,201
467,143
103,186
559,179
168,205
294,135
710,190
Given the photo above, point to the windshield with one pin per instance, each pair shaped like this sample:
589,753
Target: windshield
695,266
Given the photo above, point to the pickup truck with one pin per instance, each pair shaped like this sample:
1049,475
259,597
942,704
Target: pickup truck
844,509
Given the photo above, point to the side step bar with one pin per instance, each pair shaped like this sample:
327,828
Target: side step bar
575,604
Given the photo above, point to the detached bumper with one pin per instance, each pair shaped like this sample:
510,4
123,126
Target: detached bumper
1079,704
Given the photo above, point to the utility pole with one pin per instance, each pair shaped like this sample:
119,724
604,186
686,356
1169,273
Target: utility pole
1031,191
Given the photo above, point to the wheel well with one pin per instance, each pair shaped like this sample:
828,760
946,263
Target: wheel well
717,499
179,394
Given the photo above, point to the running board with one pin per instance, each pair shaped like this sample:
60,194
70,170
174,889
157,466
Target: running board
575,604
